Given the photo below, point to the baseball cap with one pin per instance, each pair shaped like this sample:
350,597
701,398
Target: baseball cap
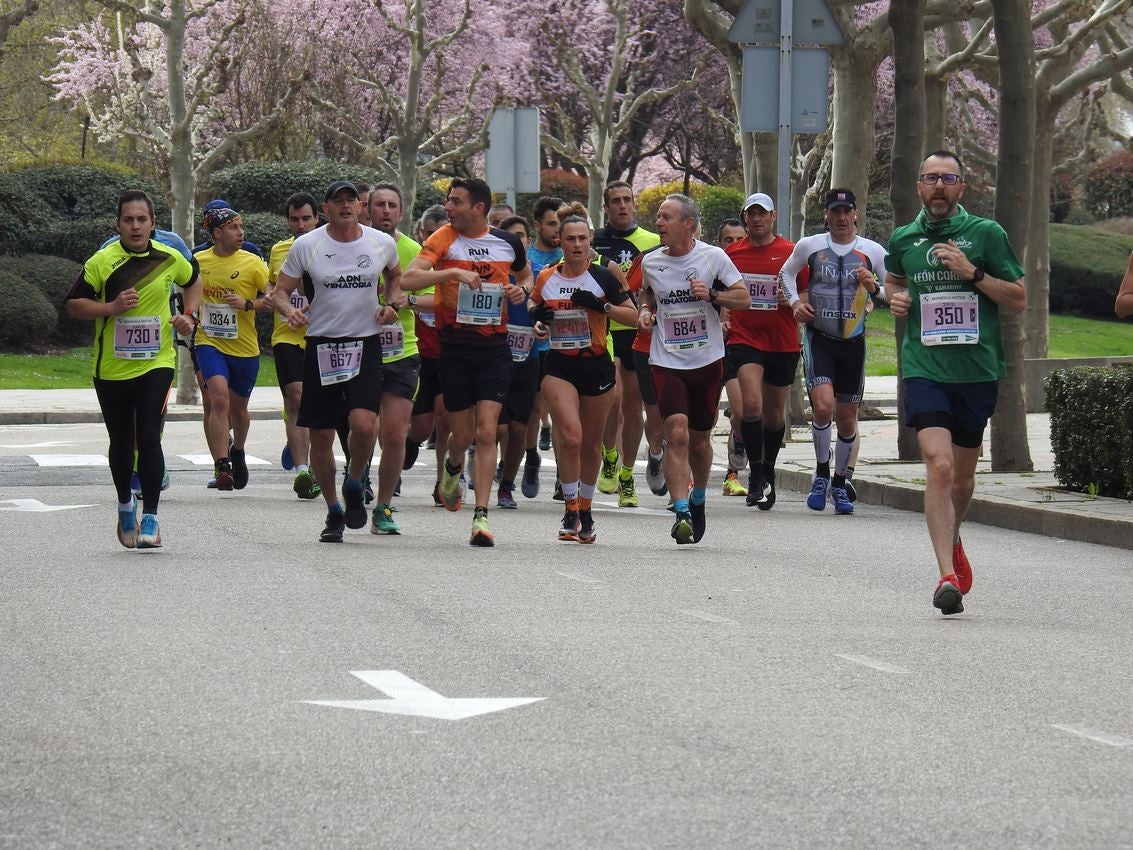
218,217
759,199
338,186
840,198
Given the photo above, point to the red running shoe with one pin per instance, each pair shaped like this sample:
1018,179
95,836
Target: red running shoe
961,567
948,597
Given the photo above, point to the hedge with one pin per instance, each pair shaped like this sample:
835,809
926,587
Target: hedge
1086,267
1091,428
27,319
53,277
265,229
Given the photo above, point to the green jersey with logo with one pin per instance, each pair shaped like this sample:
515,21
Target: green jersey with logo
952,335
399,343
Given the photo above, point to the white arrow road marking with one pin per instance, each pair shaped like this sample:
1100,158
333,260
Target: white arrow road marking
873,663
206,460
70,460
413,698
1095,735
36,506
613,506
49,444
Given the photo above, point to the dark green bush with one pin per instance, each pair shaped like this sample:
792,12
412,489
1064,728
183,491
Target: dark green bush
1109,186
76,240
878,221
716,204
1091,428
265,229
264,187
1086,267
27,319
53,277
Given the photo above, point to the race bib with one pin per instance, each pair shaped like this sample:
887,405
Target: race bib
339,361
219,321
480,306
298,299
570,330
520,339
684,328
429,319
950,318
392,338
762,289
137,337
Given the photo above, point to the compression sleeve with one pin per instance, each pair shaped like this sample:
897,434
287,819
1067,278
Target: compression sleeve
790,271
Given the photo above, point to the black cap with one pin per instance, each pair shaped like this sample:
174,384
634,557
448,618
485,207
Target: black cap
337,186
840,198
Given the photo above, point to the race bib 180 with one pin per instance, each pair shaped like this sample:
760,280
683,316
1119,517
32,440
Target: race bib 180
480,306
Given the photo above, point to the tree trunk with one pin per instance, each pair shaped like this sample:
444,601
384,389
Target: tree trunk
855,105
766,149
1037,263
907,22
1010,450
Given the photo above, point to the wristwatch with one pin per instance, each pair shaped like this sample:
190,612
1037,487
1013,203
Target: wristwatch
606,307
977,276
249,304
411,300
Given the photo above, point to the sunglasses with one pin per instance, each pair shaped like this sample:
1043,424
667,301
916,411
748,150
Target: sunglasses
946,179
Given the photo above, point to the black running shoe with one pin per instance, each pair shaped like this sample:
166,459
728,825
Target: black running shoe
412,449
352,495
769,495
239,469
336,522
699,521
850,491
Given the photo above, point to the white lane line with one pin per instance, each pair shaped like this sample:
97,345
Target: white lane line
206,460
706,616
1094,735
579,577
873,663
70,460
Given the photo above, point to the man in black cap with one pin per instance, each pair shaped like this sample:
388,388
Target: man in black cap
846,271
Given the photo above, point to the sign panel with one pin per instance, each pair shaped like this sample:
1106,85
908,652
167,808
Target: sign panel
511,162
758,23
810,99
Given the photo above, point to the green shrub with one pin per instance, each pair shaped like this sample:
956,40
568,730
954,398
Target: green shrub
76,240
264,187
1086,267
53,277
427,195
265,229
649,200
27,319
716,204
878,222
1109,186
1091,428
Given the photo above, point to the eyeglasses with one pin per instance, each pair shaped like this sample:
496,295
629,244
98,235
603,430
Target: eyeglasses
946,179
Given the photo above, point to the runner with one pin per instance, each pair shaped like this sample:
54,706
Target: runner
228,349
950,272
732,230
573,300
288,346
469,265
125,288
683,285
845,272
341,266
763,346
654,424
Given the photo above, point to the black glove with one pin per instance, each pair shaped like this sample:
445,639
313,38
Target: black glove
585,298
542,313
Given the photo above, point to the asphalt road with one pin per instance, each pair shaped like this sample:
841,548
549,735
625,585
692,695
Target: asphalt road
786,683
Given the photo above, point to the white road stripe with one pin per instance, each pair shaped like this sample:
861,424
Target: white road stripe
579,577
613,506
1095,735
873,663
70,460
206,460
707,617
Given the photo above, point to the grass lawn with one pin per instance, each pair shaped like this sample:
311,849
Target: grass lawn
72,369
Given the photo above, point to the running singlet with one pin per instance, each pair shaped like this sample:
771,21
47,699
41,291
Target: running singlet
622,246
230,330
343,280
767,326
399,340
132,343
577,330
281,331
463,314
686,330
952,335
541,259
839,301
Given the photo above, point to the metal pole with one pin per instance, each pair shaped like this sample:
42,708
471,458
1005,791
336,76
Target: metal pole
786,38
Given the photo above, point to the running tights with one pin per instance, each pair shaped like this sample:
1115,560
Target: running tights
132,412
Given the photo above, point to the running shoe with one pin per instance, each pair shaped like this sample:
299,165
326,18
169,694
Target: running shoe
437,503
530,482
397,487
481,533
128,524
586,531
505,497
819,487
627,493
239,469
682,529
961,567
732,485
737,454
449,489
224,477
352,497
757,487
768,493
136,485
608,476
557,496
545,437
336,523
499,472
842,503
149,535
367,487
470,464
305,486
699,521
285,458
655,473
570,527
165,482
412,449
850,491
383,521
212,482
948,597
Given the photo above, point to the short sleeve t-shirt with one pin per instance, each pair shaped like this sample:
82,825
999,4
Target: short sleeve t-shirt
344,280
953,332
230,330
141,339
767,326
621,246
407,249
582,329
282,332
687,332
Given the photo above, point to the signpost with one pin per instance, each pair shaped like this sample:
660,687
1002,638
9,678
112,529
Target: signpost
511,162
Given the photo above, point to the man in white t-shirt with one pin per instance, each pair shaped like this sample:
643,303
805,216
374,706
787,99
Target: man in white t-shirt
683,286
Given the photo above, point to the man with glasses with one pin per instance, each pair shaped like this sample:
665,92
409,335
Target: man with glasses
949,272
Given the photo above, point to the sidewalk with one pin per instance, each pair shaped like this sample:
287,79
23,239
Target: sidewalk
1029,502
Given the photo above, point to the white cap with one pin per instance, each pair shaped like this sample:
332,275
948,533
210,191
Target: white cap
759,199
